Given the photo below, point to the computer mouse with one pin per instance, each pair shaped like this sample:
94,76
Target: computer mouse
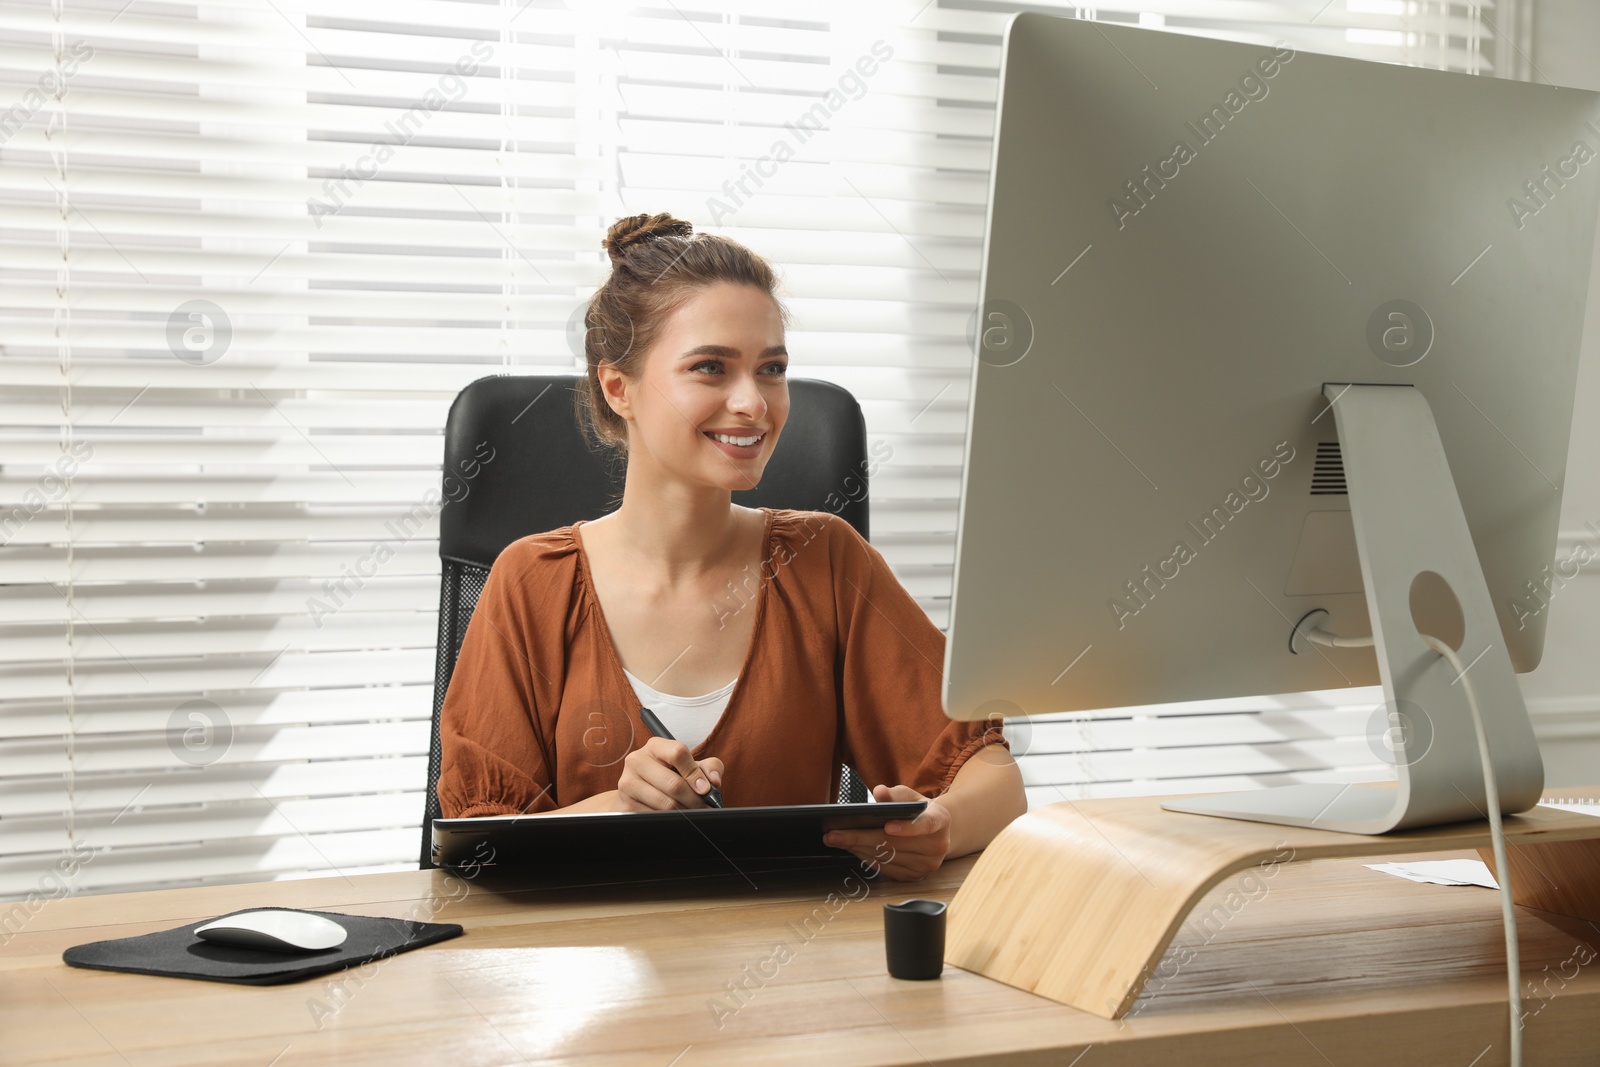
276,930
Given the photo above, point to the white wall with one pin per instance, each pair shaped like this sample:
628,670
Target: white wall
1564,693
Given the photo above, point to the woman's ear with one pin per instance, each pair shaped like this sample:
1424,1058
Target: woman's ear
614,387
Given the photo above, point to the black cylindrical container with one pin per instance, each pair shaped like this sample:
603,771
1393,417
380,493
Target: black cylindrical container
913,938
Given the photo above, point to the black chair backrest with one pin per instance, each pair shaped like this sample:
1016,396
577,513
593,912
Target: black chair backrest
516,463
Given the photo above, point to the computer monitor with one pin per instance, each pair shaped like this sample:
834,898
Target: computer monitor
1261,334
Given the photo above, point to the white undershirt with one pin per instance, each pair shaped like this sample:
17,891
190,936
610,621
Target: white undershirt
689,718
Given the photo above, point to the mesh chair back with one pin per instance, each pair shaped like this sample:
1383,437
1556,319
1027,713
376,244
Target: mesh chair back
515,463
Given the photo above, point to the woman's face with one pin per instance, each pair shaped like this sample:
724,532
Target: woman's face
717,369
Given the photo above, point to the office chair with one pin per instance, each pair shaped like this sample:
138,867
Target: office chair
543,475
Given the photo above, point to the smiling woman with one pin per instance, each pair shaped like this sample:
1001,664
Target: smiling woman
658,266
577,628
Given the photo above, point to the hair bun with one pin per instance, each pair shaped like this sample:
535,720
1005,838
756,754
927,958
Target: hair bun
636,229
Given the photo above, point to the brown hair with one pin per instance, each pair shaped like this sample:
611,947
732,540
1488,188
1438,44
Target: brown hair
657,263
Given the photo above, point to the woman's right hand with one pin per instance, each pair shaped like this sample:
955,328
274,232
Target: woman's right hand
653,778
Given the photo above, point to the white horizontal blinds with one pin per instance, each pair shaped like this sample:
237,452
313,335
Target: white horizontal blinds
35,94
208,668
180,691
1204,746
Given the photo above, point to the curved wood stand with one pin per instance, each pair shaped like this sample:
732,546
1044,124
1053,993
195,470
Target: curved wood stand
1078,901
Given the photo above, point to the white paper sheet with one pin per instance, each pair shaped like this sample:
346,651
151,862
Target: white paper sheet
1469,872
1585,807
1441,872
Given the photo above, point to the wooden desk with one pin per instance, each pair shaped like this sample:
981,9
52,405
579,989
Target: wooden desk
1332,963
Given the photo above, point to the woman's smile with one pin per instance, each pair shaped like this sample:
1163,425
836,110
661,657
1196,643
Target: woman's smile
734,444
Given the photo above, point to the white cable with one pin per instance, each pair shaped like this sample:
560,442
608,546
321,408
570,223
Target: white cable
1497,834
1491,790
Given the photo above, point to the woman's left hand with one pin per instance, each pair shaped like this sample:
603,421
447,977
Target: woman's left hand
904,851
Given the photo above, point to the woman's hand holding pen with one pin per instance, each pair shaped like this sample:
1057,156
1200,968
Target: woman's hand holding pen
662,776
904,851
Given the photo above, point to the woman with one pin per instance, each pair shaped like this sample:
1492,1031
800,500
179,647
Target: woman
804,648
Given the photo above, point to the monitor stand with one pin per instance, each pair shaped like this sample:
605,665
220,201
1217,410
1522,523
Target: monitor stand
1080,901
1409,522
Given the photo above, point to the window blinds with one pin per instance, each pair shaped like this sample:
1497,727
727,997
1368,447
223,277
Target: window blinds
249,252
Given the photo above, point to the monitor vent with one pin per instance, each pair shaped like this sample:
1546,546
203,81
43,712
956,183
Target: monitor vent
1327,475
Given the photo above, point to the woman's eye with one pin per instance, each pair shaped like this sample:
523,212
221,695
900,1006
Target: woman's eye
773,370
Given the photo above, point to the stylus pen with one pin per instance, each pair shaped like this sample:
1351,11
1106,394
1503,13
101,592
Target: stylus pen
659,728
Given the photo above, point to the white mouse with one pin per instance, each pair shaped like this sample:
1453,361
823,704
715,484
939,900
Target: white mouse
275,929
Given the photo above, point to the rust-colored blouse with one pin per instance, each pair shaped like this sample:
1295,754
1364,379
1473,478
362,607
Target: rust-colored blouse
843,665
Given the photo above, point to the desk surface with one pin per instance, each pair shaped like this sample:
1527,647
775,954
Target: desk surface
1324,962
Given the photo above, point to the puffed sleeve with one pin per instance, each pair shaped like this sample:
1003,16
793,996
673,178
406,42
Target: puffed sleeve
494,759
890,668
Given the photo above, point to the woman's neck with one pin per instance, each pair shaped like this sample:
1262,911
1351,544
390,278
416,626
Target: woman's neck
680,533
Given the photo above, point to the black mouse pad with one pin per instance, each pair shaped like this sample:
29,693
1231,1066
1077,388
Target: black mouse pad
180,953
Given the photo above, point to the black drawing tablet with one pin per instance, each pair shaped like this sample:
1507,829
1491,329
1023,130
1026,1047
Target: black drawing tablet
700,835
